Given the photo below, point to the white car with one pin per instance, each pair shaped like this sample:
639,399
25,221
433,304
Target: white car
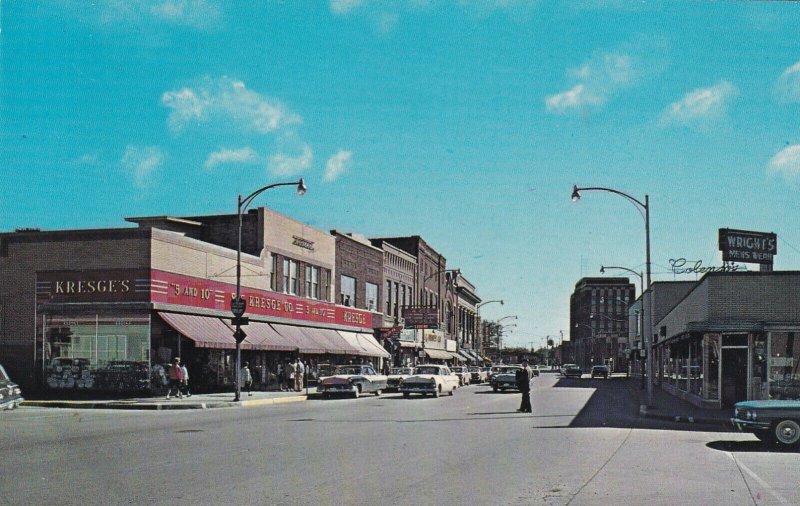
463,375
430,379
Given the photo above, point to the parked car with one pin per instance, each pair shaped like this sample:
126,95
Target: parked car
477,374
464,377
352,380
564,367
10,393
396,375
772,421
572,371
600,371
430,379
505,377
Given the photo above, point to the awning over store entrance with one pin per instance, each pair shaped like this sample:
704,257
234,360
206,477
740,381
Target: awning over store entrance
469,354
261,336
409,344
330,340
438,354
371,346
302,340
205,331
464,356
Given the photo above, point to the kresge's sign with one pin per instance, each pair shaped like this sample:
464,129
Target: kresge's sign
747,247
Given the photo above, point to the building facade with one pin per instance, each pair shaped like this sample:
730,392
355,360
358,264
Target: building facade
599,322
468,337
108,309
733,336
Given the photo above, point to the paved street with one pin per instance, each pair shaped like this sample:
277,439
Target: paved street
584,444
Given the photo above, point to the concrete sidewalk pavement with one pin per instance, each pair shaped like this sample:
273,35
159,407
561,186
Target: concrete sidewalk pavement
667,407
196,401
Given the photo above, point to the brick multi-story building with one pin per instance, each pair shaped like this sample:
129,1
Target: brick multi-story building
105,309
599,321
468,330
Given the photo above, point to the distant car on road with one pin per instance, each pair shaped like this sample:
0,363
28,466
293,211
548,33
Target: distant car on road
353,380
564,367
397,375
10,393
600,371
430,379
477,374
463,375
572,371
505,378
772,421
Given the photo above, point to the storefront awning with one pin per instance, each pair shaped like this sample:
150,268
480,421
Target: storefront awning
466,356
330,340
409,344
261,336
438,354
352,340
205,331
302,341
471,354
371,346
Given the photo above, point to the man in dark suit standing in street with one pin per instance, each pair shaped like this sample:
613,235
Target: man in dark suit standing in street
524,376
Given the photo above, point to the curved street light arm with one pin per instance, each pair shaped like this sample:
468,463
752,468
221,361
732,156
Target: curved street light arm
641,276
245,202
488,302
576,195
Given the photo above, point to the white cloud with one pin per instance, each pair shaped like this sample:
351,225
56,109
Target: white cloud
224,156
700,104
788,85
577,97
141,162
229,99
599,78
283,165
200,14
337,164
786,163
344,6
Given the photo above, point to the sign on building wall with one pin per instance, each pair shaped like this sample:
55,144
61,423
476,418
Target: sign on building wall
747,247
421,317
170,288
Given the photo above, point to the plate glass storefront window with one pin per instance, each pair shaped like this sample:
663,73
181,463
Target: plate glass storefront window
695,372
97,352
711,366
784,380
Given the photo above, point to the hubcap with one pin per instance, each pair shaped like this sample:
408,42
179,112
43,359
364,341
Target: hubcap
788,432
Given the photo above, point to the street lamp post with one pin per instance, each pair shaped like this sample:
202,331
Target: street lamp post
238,305
645,208
478,317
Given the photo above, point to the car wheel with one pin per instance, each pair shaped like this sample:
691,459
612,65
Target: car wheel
406,395
494,388
437,392
378,392
452,390
787,432
357,392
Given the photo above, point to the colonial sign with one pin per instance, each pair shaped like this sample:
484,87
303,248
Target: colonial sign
747,247
683,266
421,317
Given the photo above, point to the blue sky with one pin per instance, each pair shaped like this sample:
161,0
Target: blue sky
465,122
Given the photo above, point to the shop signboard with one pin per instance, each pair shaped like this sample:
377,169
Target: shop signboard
136,285
747,247
421,317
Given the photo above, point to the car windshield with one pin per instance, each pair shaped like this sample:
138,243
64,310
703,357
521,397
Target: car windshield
348,370
402,370
474,369
428,370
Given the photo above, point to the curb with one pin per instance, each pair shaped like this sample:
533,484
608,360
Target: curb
161,406
645,412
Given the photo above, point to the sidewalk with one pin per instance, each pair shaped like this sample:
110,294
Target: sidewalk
198,401
670,408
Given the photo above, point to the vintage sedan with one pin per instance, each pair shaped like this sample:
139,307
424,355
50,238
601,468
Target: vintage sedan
430,379
505,378
10,393
772,421
465,378
352,380
397,375
477,374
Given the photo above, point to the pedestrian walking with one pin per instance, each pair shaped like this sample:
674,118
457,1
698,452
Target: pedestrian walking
523,378
290,373
246,379
175,376
185,381
300,371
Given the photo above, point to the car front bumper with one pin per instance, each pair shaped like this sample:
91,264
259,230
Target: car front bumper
505,384
11,403
749,425
418,389
336,389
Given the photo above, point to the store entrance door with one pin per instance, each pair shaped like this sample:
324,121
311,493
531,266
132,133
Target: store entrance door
734,375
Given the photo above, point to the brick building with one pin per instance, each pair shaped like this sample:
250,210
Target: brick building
732,336
599,321
106,309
